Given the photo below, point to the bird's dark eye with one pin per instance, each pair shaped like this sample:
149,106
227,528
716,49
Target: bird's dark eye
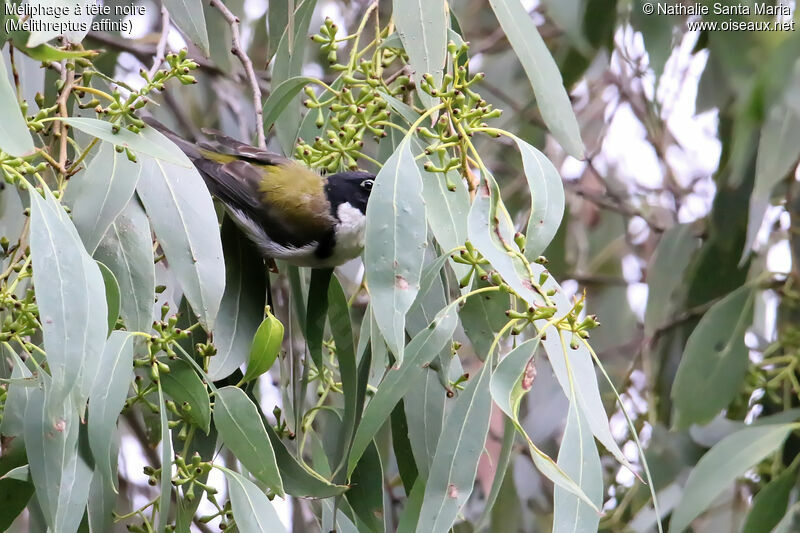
367,184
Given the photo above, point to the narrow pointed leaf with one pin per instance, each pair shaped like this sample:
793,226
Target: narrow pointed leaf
395,244
101,192
578,458
422,25
242,303
188,16
147,142
106,402
721,465
715,360
511,381
15,139
182,214
281,98
187,390
166,466
421,350
547,199
551,96
251,508
112,295
71,296
242,431
455,464
127,250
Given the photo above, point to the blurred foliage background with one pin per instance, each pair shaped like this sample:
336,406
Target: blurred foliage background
679,227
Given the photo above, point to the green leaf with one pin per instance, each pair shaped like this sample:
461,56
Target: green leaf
547,199
166,465
401,445
288,63
242,302
715,360
252,510
422,26
183,217
299,480
455,464
316,313
147,142
106,402
266,347
60,473
770,503
282,97
789,522
15,138
102,500
100,193
188,16
187,390
578,458
410,515
20,473
366,492
721,465
127,250
424,409
71,297
277,22
665,272
17,396
482,317
513,379
551,97
14,494
242,431
112,295
777,155
339,320
395,244
421,350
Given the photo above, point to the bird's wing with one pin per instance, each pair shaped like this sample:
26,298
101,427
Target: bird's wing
287,200
223,144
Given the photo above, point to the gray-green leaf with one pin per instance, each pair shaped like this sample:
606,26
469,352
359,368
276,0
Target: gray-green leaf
395,244
15,138
551,96
183,216
252,510
188,16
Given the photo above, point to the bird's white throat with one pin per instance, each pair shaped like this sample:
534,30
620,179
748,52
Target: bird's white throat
349,231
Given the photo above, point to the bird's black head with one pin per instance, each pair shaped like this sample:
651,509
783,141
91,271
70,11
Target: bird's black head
352,187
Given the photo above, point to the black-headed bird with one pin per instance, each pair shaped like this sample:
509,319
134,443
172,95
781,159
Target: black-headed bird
289,211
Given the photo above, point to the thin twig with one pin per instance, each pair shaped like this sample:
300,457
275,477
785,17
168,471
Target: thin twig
239,52
161,47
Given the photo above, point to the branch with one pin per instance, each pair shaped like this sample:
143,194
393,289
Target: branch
161,47
239,52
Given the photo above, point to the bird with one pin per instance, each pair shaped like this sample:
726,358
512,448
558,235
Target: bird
287,210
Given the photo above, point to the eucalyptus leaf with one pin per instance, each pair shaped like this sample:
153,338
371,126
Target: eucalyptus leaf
182,213
395,244
242,431
149,141
15,139
106,402
71,298
421,350
721,465
242,303
578,458
452,475
551,96
188,391
127,250
188,16
112,295
101,192
770,504
252,510
166,465
715,360
422,26
282,97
